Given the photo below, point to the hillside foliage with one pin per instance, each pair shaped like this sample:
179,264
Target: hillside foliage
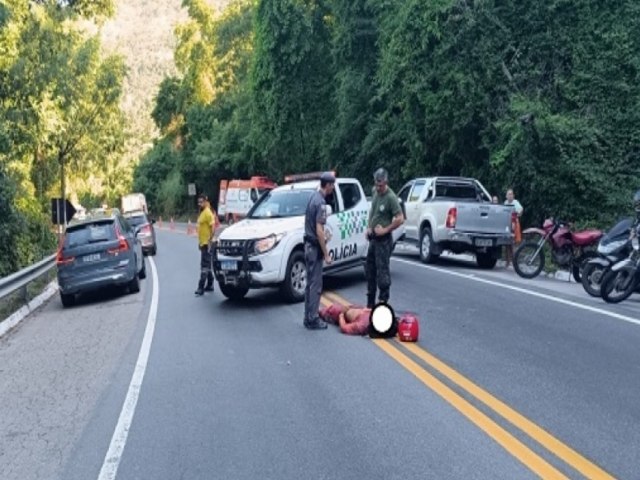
541,96
59,112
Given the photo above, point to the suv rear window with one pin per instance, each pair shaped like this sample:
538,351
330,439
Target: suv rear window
90,233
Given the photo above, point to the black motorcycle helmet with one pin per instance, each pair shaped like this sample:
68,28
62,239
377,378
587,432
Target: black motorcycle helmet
636,202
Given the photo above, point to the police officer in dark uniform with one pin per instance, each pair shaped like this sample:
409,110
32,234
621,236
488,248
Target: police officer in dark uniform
385,216
315,251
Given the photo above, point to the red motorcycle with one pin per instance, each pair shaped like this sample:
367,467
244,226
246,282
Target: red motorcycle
569,249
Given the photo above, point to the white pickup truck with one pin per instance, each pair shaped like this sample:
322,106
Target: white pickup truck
265,249
455,214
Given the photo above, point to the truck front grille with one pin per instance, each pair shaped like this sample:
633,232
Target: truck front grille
231,248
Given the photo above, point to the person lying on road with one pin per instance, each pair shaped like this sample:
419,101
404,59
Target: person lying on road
352,320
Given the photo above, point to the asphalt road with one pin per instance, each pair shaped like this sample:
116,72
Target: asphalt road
510,380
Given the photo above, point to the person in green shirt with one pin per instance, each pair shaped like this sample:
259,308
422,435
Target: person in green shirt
384,217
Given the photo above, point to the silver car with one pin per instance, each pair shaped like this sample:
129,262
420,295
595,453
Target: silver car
100,251
146,232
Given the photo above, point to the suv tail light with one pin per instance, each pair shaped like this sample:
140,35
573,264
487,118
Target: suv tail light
146,230
62,260
123,246
452,216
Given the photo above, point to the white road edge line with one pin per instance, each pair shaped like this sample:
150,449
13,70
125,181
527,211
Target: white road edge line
533,293
118,441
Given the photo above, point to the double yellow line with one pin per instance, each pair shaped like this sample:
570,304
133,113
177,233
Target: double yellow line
510,443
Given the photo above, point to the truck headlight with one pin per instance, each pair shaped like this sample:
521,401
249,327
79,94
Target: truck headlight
268,243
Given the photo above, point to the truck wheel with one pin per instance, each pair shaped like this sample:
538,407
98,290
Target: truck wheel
143,273
134,285
486,260
295,281
426,246
233,292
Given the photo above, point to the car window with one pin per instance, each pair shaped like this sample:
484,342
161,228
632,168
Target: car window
254,195
417,190
126,226
351,195
87,233
404,193
282,203
135,220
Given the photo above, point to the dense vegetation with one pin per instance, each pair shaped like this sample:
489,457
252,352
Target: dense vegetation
540,95
59,112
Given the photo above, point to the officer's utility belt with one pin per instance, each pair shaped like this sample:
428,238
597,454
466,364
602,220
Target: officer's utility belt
381,238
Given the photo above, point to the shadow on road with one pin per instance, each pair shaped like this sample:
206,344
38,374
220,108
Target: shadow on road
443,261
103,296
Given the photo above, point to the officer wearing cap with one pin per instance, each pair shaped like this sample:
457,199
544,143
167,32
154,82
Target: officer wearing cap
384,217
315,251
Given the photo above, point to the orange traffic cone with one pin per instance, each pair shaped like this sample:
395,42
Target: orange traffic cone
189,228
172,226
160,222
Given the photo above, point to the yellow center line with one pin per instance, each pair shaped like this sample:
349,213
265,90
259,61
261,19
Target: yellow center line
510,443
336,298
561,450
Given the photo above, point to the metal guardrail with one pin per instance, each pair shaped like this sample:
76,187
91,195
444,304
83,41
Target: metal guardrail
21,279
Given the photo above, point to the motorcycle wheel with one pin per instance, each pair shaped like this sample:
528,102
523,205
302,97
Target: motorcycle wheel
592,276
579,264
617,286
521,257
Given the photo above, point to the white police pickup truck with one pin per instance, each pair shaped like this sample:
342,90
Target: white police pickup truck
266,249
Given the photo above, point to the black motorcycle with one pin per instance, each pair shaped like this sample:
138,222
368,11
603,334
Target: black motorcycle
614,246
624,276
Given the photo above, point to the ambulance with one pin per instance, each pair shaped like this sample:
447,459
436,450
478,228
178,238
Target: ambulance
266,248
236,197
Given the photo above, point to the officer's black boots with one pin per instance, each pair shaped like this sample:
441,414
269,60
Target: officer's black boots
317,325
371,300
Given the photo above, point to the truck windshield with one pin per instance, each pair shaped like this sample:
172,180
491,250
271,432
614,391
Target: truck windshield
282,203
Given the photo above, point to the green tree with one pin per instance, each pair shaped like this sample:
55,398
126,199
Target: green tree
59,112
292,97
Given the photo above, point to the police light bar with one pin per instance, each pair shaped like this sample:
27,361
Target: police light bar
300,177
